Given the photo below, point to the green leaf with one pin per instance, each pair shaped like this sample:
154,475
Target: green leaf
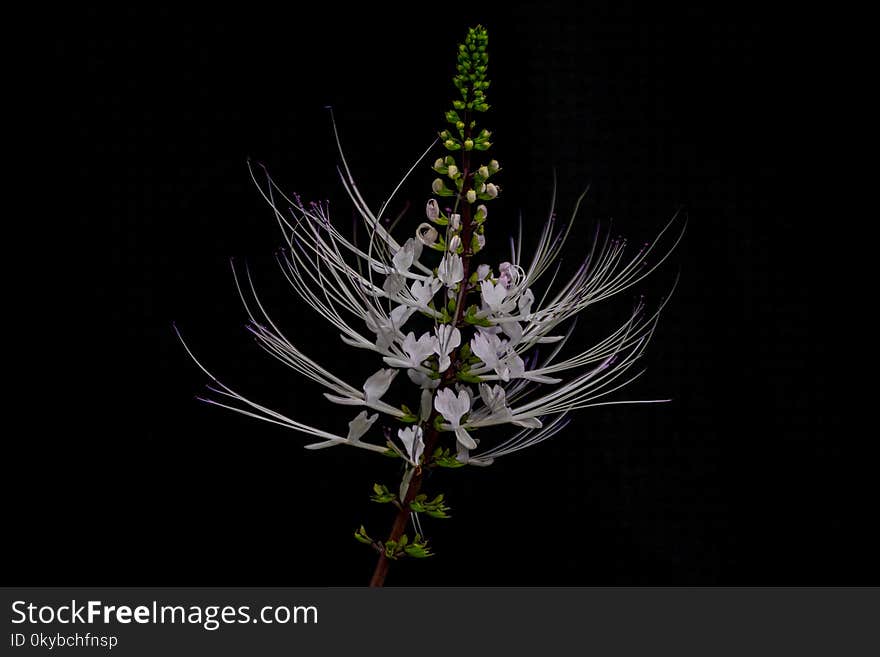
467,377
361,535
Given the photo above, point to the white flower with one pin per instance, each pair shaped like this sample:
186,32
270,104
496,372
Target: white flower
486,347
408,253
454,243
512,330
482,272
493,294
448,338
360,425
378,384
450,271
452,407
356,428
411,437
416,350
495,400
424,291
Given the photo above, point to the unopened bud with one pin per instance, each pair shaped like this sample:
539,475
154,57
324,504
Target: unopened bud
494,167
482,272
455,221
471,196
482,211
483,171
440,188
454,243
452,172
492,190
438,163
468,144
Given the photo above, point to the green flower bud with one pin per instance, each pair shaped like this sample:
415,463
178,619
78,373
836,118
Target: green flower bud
468,144
483,171
494,166
452,171
452,145
471,196
439,188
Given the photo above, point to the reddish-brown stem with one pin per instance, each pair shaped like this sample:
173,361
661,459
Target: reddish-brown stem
432,436
402,518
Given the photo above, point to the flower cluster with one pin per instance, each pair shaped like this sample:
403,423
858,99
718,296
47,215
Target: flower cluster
465,334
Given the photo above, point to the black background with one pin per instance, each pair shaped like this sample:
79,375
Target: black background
123,478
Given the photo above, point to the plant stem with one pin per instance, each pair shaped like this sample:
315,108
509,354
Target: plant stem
402,518
432,436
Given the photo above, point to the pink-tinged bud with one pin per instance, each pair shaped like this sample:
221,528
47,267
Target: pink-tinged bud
455,221
492,190
454,243
481,241
432,210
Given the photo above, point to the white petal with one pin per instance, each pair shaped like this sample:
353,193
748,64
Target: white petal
493,295
360,425
403,259
378,384
450,270
464,439
411,437
525,302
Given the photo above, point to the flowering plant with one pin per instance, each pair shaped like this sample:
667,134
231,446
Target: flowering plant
473,365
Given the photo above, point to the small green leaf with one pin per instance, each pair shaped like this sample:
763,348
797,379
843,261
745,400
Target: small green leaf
361,535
